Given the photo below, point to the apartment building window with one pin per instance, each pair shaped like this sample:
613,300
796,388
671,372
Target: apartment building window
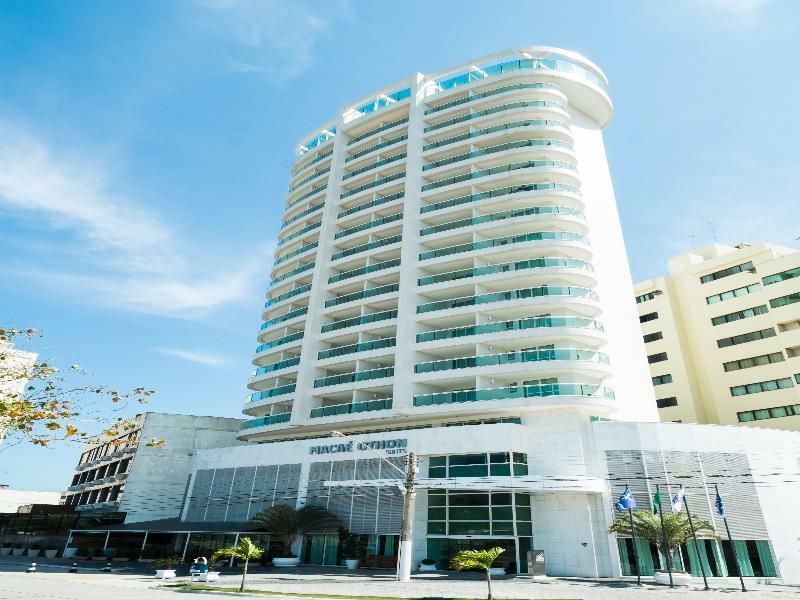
752,336
740,314
742,291
789,326
648,317
762,386
478,465
748,266
755,361
793,352
654,358
652,337
785,300
782,276
662,379
667,402
646,297
775,412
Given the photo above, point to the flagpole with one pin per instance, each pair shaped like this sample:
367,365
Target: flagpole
635,555
730,539
668,554
696,545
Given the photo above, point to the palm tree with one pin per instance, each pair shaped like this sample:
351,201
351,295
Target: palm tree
245,550
287,523
647,526
477,559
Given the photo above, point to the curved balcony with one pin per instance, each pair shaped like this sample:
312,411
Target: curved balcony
502,326
309,179
281,390
290,294
299,232
368,293
536,236
533,123
371,204
296,271
293,253
310,194
266,421
362,320
304,213
368,225
502,216
372,184
557,188
379,266
350,408
515,392
536,143
281,341
354,377
528,164
377,130
357,348
318,159
287,316
523,265
510,358
521,294
373,165
388,241
319,140
277,366
493,92
376,147
546,104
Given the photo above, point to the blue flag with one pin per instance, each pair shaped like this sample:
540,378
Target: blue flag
720,506
626,501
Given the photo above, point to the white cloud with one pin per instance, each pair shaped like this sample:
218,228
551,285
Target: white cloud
117,253
743,13
272,38
200,358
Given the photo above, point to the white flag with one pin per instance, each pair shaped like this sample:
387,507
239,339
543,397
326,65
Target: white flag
677,501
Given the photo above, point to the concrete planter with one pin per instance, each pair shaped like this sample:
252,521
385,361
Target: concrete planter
677,578
423,568
208,576
497,571
18,551
5,551
286,561
50,553
33,552
351,563
165,573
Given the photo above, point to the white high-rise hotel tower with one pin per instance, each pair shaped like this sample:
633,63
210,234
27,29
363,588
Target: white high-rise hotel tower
450,279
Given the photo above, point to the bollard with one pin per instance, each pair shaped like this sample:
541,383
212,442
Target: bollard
73,568
107,568
32,568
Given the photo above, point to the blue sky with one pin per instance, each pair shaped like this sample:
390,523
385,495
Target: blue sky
145,150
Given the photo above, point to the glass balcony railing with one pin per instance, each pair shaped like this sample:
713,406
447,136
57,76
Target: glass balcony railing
362,320
372,184
537,64
281,390
496,109
368,293
374,165
495,129
293,253
319,158
305,196
354,377
501,216
300,232
292,314
290,294
495,149
494,92
377,130
266,421
503,191
368,225
277,366
509,358
354,348
378,146
528,164
302,268
292,337
535,263
521,294
394,239
516,324
377,103
311,209
376,202
514,392
379,266
351,408
566,236
311,177
323,137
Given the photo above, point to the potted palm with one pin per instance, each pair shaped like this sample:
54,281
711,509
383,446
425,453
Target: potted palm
350,549
288,523
676,531
164,566
467,560
427,564
245,550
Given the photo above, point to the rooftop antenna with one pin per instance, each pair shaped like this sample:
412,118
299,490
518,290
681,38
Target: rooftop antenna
713,232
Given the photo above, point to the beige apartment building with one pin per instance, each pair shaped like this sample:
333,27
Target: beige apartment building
722,332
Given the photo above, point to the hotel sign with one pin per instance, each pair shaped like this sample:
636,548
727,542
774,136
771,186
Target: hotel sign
397,446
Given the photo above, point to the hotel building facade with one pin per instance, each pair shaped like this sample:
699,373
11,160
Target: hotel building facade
451,280
722,332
